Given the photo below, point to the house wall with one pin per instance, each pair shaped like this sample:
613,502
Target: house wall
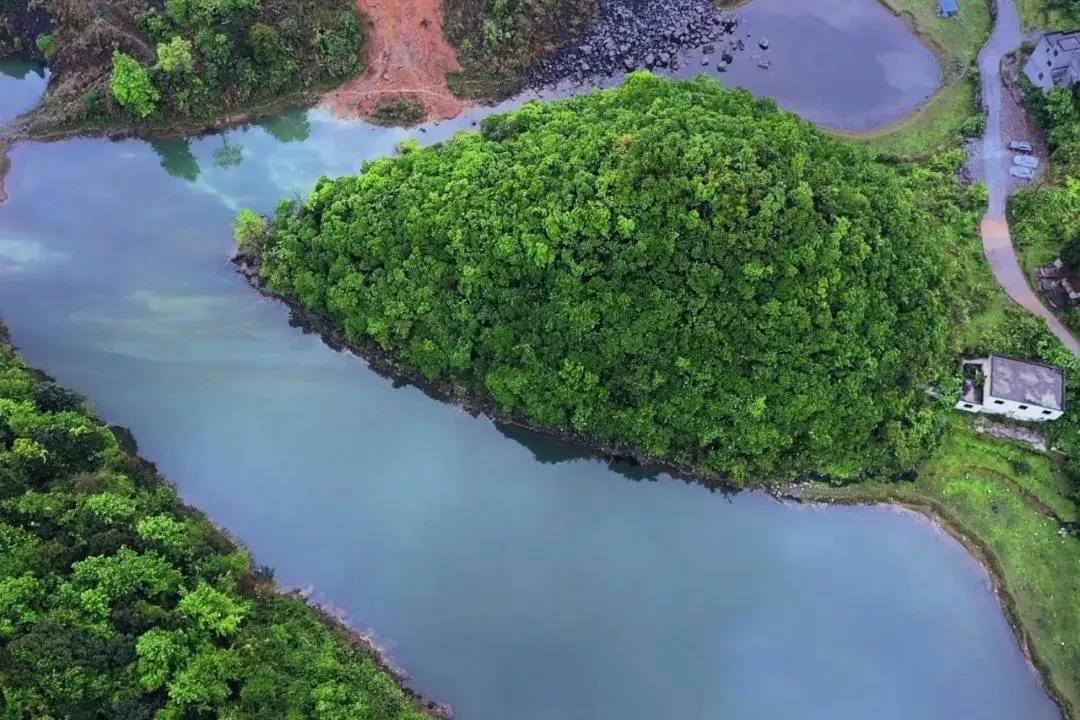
1018,411
1041,63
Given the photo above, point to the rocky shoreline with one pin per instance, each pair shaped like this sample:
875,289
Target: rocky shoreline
632,35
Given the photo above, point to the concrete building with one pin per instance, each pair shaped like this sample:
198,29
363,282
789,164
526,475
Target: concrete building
1055,61
1018,389
948,8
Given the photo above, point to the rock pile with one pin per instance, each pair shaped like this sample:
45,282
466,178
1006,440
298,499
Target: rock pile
641,35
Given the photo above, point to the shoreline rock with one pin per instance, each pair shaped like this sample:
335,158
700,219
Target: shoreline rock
628,35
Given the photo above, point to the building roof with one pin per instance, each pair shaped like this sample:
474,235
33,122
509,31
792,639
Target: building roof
948,6
1064,41
1027,382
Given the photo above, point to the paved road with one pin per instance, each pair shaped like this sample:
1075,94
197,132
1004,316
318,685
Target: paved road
997,242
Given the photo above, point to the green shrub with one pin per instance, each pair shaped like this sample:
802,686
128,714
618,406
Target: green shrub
400,112
156,28
249,229
47,45
92,103
131,86
973,127
175,56
338,49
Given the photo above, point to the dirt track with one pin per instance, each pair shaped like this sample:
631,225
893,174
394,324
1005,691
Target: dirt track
408,56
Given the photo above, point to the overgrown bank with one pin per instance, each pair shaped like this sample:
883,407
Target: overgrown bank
118,601
148,65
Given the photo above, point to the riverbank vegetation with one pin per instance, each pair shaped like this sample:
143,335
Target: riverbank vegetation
1006,502
1049,14
496,40
117,601
138,62
666,266
953,112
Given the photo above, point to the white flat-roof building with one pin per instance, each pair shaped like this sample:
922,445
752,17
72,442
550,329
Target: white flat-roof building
1018,389
1055,61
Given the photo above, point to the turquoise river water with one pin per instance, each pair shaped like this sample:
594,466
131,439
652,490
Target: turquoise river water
509,576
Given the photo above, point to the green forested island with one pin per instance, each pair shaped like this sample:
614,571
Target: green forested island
683,273
144,63
671,267
119,602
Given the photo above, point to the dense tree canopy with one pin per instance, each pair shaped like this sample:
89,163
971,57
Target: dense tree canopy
118,602
669,266
1058,112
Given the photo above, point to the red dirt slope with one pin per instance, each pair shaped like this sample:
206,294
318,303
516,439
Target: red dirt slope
408,56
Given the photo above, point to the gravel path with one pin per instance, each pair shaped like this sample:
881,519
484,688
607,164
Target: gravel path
997,243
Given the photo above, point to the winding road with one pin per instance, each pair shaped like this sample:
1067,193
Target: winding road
997,243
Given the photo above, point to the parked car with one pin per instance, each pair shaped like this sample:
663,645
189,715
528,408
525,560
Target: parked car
1028,161
1020,146
1019,171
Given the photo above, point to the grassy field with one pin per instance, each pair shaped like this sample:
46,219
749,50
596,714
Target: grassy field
934,126
956,42
997,496
1034,15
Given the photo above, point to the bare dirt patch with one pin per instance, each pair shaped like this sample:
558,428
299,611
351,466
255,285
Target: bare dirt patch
408,57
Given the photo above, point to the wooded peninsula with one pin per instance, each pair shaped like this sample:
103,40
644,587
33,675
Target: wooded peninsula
118,601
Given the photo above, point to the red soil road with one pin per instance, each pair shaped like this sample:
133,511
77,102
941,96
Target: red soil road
408,56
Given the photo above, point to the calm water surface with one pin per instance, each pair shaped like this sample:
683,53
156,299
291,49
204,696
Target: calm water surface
512,579
21,84
847,64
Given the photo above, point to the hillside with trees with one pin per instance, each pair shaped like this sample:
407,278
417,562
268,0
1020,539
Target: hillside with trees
117,601
670,267
497,40
145,62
